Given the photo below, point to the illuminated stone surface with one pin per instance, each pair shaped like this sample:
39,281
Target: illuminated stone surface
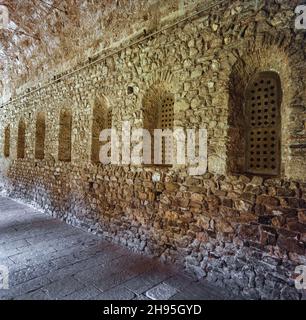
71,72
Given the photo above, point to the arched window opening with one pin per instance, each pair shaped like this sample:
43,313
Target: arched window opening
7,141
165,121
64,139
21,139
158,108
109,122
40,136
100,120
263,124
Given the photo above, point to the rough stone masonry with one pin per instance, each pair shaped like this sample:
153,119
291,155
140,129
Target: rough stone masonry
239,230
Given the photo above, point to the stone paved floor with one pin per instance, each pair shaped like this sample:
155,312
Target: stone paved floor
48,259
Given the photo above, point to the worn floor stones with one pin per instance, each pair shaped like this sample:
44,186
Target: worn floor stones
47,259
224,67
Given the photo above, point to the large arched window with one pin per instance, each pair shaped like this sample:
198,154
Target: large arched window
263,124
7,141
40,136
158,108
21,139
101,119
64,138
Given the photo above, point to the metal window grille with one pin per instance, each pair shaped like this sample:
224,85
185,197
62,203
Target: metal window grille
263,124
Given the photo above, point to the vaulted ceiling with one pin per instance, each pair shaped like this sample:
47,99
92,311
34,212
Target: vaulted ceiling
44,35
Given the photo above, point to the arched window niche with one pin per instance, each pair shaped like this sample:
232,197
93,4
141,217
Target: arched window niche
7,141
40,136
263,124
64,138
255,125
21,139
158,113
101,119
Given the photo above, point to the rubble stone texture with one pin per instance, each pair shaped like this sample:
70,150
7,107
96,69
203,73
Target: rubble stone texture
49,260
240,231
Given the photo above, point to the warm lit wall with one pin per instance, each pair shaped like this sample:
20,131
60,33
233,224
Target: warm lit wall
244,231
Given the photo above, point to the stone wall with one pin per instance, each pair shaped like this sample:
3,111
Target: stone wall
246,232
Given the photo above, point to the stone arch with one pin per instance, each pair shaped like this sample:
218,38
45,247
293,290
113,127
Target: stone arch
65,134
247,65
7,141
101,117
40,136
21,139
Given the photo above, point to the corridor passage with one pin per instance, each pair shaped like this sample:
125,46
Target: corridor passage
48,259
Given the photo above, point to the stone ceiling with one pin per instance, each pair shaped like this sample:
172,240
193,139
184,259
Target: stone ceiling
49,36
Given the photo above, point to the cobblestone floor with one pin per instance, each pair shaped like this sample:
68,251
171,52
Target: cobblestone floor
48,259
